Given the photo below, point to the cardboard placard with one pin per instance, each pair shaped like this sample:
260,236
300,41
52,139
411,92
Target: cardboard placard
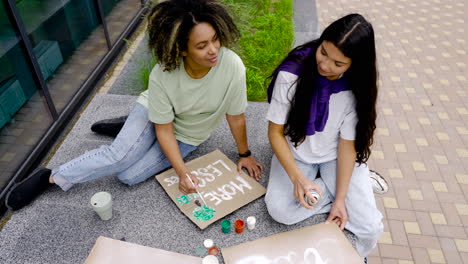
222,187
111,251
316,244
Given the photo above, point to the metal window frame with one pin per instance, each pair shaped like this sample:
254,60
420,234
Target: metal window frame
102,18
18,25
60,121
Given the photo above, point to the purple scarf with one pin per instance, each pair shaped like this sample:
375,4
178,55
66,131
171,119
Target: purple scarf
324,89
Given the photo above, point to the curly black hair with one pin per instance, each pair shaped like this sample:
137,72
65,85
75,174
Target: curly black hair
170,23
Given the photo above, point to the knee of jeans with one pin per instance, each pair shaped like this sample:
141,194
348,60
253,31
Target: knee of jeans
125,179
279,212
378,229
373,230
117,155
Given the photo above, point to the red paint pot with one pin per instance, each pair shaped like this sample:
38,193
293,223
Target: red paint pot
239,224
213,251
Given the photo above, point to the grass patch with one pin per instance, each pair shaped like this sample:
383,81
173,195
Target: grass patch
267,36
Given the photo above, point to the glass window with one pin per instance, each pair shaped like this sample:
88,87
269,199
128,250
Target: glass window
23,116
68,42
118,15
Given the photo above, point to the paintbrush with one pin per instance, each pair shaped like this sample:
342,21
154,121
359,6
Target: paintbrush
196,201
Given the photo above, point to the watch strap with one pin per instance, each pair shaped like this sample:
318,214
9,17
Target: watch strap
248,153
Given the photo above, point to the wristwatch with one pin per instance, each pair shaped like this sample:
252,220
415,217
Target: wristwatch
245,155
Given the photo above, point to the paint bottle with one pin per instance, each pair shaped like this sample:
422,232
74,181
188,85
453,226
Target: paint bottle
251,222
239,224
315,194
226,226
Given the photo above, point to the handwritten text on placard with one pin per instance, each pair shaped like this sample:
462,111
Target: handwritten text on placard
209,174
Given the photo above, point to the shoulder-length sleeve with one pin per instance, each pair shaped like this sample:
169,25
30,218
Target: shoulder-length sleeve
348,127
283,93
160,109
238,97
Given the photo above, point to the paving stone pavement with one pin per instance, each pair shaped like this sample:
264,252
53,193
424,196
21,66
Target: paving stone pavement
422,133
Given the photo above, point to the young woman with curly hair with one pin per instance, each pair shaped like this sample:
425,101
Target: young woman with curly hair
197,82
322,119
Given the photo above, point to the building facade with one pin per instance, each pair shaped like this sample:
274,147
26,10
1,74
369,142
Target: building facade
52,54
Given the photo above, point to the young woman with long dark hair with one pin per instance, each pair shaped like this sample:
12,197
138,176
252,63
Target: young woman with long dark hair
322,119
197,82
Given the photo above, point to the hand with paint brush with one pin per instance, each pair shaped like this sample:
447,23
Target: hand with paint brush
188,183
199,194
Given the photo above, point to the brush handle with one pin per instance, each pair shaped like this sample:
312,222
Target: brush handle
190,179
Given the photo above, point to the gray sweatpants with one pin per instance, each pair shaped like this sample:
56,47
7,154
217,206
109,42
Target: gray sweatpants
365,220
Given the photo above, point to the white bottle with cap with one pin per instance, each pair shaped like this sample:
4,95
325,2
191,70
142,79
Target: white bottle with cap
251,222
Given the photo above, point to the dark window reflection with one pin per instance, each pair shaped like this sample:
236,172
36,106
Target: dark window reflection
23,116
68,41
118,15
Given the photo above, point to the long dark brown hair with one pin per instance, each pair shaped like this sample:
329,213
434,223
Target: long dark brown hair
170,23
354,37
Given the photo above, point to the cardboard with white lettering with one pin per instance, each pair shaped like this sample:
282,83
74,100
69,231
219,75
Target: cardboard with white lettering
110,251
222,187
316,244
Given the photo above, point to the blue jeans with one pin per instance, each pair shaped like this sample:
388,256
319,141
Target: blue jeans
364,219
134,155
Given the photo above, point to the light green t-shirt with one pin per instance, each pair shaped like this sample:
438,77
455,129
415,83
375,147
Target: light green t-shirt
196,106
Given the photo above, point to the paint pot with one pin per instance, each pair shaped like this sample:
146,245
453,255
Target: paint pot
210,259
102,205
226,226
208,243
314,194
213,251
239,225
251,222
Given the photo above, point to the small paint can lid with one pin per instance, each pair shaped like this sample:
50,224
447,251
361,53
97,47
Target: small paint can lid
213,251
210,259
226,224
208,243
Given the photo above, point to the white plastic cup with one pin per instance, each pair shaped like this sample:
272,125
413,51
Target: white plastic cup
251,222
210,259
102,205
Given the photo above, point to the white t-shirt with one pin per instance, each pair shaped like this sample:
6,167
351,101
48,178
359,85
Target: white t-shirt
322,146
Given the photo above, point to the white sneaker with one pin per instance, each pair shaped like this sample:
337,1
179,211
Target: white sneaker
379,184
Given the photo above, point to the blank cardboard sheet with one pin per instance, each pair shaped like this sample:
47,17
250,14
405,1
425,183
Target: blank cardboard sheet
323,243
111,251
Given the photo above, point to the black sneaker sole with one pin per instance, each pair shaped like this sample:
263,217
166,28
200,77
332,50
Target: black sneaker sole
7,197
109,127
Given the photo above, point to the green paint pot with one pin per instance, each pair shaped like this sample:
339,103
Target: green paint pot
226,226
